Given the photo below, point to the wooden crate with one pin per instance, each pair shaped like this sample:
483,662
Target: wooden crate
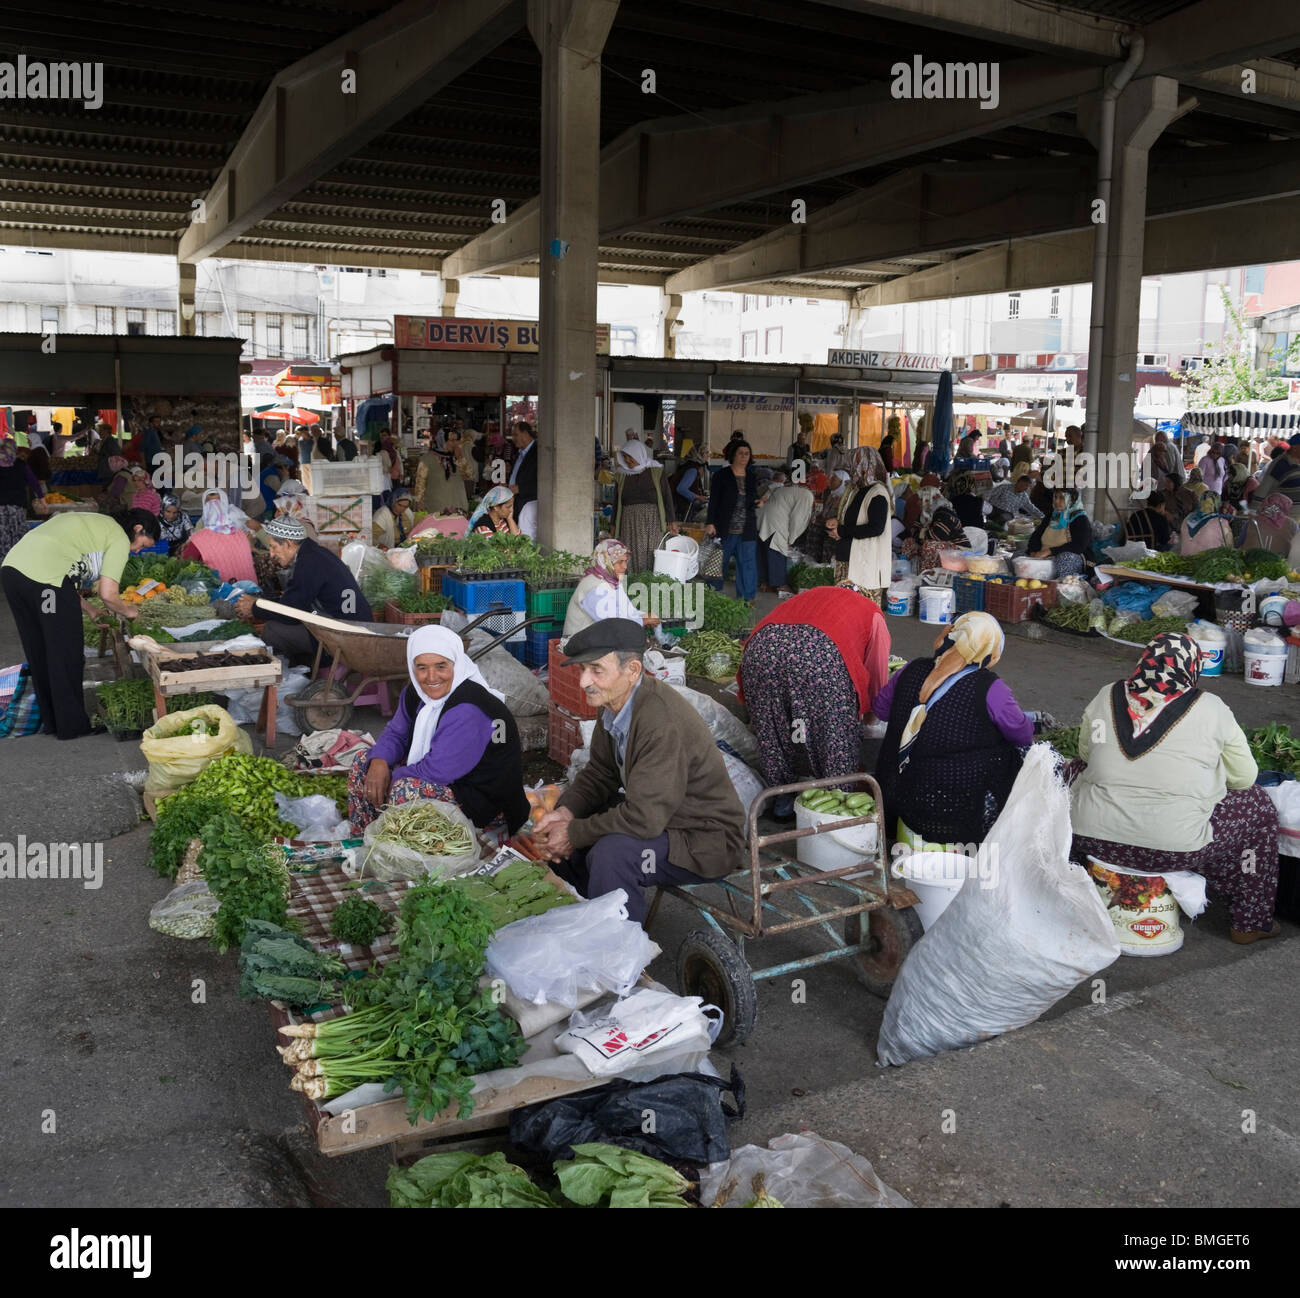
342,515
216,680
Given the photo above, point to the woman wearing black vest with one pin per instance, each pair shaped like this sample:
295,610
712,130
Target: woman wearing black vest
452,738
953,745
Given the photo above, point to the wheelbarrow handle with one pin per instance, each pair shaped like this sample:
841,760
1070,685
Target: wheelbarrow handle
475,655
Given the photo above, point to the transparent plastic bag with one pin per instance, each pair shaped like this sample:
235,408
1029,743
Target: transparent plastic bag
1177,603
394,861
189,911
1074,590
316,817
557,955
798,1171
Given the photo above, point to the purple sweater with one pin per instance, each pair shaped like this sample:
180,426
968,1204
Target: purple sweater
459,743
1003,710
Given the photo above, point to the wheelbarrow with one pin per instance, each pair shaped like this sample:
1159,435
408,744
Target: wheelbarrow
868,919
372,653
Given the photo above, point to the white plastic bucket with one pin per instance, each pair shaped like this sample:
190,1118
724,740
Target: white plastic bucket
678,557
935,877
936,605
1152,929
1263,667
823,852
901,601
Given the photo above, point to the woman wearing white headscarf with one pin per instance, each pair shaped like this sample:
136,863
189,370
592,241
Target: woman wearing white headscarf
439,485
643,509
452,739
220,541
863,542
601,592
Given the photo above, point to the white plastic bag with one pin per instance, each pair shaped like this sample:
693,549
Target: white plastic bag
1013,941
746,781
188,911
559,954
394,861
1074,590
722,723
316,817
525,695
799,1171
647,1022
1129,550
1176,603
245,706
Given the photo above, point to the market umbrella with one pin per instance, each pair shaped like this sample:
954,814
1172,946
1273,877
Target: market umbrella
941,427
289,415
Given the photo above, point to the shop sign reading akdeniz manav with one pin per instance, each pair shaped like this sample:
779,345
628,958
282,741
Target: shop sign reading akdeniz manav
887,360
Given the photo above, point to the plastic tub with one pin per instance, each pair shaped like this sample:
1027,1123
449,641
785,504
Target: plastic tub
1034,569
936,605
935,877
1263,666
900,601
678,557
833,851
1212,643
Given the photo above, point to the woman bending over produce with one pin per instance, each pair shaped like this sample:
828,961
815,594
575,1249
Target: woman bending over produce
1170,785
452,738
601,592
819,657
953,747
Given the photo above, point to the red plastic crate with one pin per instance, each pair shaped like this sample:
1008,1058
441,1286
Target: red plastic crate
565,685
1010,603
563,734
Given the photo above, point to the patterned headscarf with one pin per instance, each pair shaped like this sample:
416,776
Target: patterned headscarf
867,467
1169,668
497,496
963,484
603,559
1275,510
946,526
974,641
1062,518
8,452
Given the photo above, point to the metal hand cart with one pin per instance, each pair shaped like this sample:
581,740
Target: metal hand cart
869,919
370,653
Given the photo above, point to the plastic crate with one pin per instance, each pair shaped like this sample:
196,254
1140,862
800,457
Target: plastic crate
501,623
563,734
479,596
1011,603
968,595
565,684
495,574
364,475
538,639
399,616
551,601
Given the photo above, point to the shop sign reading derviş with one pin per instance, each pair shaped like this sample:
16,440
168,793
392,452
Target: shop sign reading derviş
449,333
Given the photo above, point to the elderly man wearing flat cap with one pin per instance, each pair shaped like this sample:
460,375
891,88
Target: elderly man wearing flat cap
319,582
680,821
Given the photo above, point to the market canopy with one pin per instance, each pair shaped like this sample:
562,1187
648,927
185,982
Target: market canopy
1277,416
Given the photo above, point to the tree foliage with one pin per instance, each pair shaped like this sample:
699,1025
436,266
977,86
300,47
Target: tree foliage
1229,373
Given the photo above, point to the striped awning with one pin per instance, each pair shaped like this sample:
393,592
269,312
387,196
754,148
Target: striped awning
1264,416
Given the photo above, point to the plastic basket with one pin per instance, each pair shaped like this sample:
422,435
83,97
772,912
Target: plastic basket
538,640
392,613
551,601
968,595
563,733
565,685
479,596
1011,603
494,574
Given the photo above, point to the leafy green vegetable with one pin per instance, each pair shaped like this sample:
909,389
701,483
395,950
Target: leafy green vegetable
1073,617
802,576
247,874
512,893
712,653
276,964
423,602
1274,748
459,1180
128,705
1065,739
722,613
1141,632
359,921
624,1177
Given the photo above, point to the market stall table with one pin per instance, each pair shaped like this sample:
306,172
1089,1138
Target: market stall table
159,662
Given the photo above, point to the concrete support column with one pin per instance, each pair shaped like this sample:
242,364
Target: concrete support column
1142,112
186,279
450,296
672,309
570,35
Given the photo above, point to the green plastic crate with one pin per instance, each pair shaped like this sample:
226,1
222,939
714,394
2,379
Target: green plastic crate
551,602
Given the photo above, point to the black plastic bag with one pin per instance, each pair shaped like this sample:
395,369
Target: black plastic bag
680,1117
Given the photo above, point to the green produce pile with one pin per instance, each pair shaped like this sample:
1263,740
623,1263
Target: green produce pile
1140,633
382,582
1221,564
1274,749
478,553
423,602
152,614
278,965
358,921
128,705
833,802
606,1175
423,828
463,1181
803,576
247,874
1074,617
158,567
722,613
702,646
1065,739
514,892
235,782
422,1022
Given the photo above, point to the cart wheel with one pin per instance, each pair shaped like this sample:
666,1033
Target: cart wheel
710,966
322,705
892,934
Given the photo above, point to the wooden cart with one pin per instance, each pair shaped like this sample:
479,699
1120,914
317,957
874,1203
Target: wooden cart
218,680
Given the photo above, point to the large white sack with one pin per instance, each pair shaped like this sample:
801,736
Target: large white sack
1011,944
